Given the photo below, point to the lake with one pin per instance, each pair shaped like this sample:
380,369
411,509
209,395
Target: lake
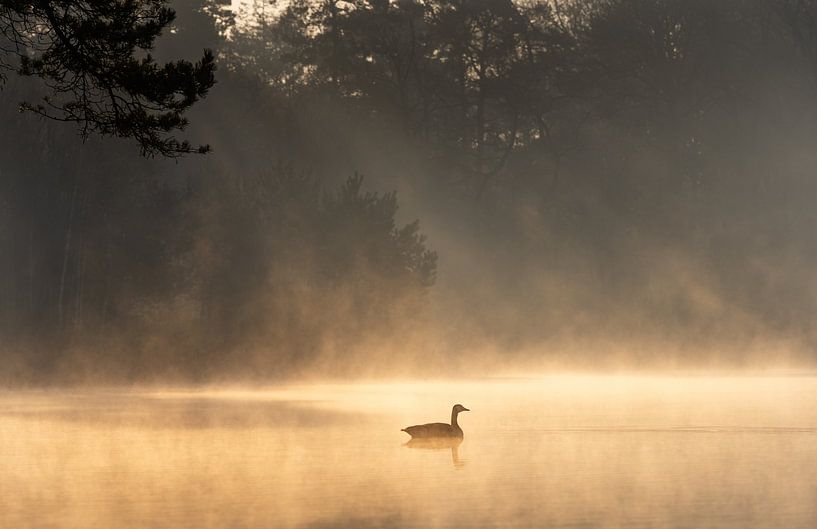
564,451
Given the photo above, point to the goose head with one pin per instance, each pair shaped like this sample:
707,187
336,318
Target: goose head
458,408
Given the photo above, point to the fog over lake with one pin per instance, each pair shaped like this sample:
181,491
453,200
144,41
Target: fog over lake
357,264
559,451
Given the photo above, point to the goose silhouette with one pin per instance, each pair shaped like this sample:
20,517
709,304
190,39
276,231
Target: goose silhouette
438,429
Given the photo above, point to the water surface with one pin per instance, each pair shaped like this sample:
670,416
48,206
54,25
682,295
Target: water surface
562,451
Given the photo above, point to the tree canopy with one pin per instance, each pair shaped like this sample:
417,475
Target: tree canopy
593,172
94,60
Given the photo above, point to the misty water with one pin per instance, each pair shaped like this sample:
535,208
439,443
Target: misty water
559,451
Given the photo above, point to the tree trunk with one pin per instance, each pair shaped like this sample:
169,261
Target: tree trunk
31,272
79,283
65,255
108,267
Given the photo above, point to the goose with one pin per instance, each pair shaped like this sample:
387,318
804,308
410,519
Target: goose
438,429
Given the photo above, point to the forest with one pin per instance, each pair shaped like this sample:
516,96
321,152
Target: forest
375,186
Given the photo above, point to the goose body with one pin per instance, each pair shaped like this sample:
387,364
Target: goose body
438,429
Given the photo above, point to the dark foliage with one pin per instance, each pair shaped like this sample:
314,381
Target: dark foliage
580,143
600,173
126,267
94,58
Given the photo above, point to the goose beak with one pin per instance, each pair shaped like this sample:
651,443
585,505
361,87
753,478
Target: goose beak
465,409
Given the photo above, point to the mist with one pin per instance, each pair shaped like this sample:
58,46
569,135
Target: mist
431,189
408,264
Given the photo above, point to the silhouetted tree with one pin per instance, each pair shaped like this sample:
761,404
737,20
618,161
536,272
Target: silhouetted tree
580,145
471,81
94,59
287,249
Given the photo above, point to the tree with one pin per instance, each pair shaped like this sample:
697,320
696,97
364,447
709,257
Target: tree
471,82
94,58
364,240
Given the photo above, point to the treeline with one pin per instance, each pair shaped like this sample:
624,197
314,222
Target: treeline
597,172
119,268
498,94
612,168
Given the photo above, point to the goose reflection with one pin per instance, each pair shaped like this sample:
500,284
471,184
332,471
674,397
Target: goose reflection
440,443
